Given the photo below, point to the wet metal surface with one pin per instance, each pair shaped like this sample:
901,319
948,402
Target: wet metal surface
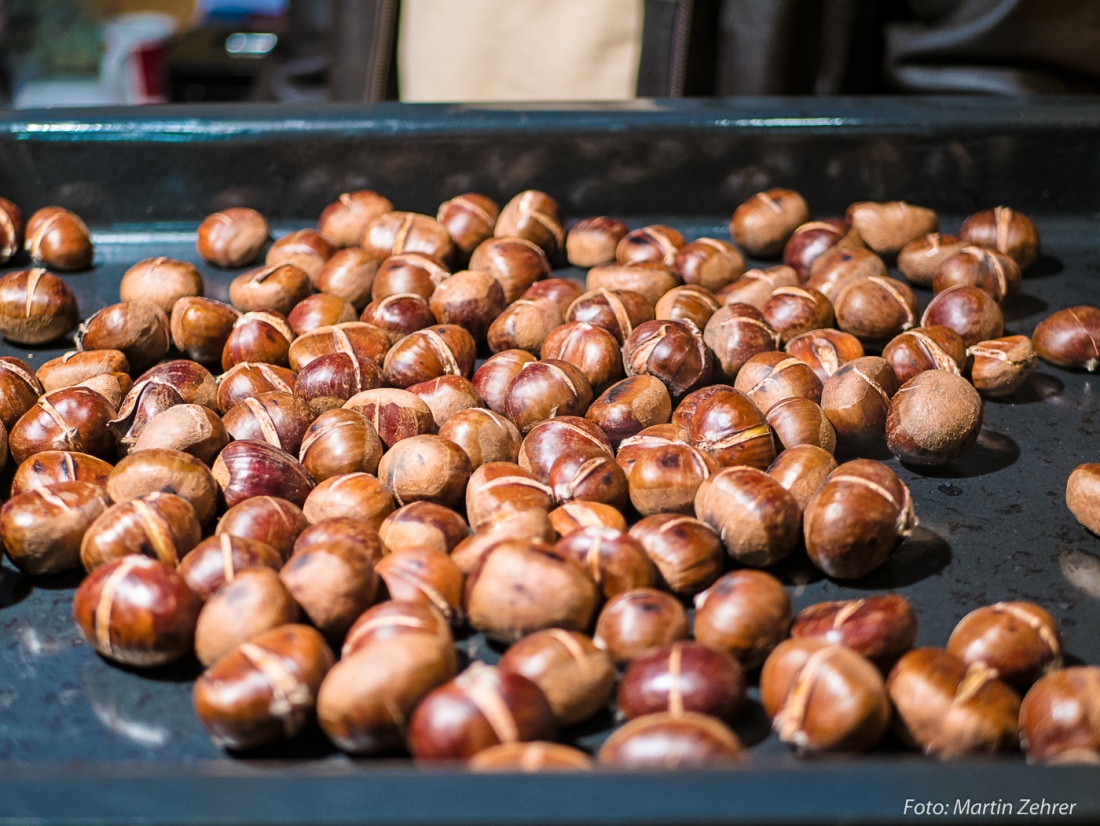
82,739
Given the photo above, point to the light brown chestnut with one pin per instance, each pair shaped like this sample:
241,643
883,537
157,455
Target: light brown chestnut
472,299
58,238
469,219
485,436
709,263
500,488
638,622
445,349
11,230
75,367
876,308
592,241
200,327
629,406
51,467
306,249
1082,495
934,417
1058,719
754,516
333,582
349,274
19,390
613,558
889,226
392,233
669,741
550,438
919,259
755,286
533,215
791,311
139,329
538,756
277,287
617,311
688,555
664,478
769,378
319,310
337,442
544,389
425,468
823,697
1000,367
736,333
446,396
856,400
165,471
561,291
492,378
354,495
801,470
161,280
353,337
398,315
424,575
516,264
1005,230
839,267
656,242
345,219
687,303
763,223
342,530
232,237
1018,640
394,619
591,349
253,603
249,379
732,430
649,279
524,325
423,525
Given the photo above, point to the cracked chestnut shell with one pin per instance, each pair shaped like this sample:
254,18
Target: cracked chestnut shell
856,400
683,677
672,351
736,333
881,627
42,528
754,516
1000,367
925,348
638,622
1018,640
268,519
469,220
265,690
245,469
58,238
544,389
232,237
1005,230
74,419
613,558
162,526
253,602
1068,338
345,219
763,223
688,555
535,216
219,559
137,611
823,697
732,430
35,307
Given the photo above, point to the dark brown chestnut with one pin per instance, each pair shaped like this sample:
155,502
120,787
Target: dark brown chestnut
629,406
730,428
549,439
791,311
754,516
423,525
353,337
159,525
445,349
338,442
544,389
617,311
19,390
469,219
398,315
492,378
249,379
1018,640
73,419
709,263
1069,338
856,400
51,467
394,414
11,230
672,351
736,333
688,554
655,242
219,559
319,310
925,348
472,299
593,350
683,677
268,519
881,627
247,468
970,312
988,270
613,558
561,291
671,741
811,240
664,478
349,274
42,528
876,308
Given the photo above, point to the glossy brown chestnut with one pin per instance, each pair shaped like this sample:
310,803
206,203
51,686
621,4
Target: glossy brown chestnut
484,435
250,379
798,421
19,390
165,471
471,299
530,526
1001,366
811,240
919,259
791,311
425,468
161,280
839,267
687,303
393,233
482,707
881,627
73,419
617,311
144,402
988,270
445,349
657,242
650,279
592,241
576,677
613,558
265,690
356,338
394,414
51,467
671,741
395,619
367,699
745,613
763,223
500,488
42,527
857,517
200,327
75,367
1082,495
345,219
11,230
687,554
219,559
925,348
524,325
664,478
949,710
338,442
533,215
500,601
934,417
423,525
856,400
137,328
823,698
1058,719
638,622
756,285
672,351
876,308
1005,230
136,611
1018,640
59,239
754,516
732,430
516,264
801,470
232,237
159,525
544,389
683,677
575,515
709,263
306,249
1069,338
424,575
333,582
561,291
320,310
329,381
268,519
398,315
736,333
253,603
629,406
245,469
889,226
970,312
549,439
769,378
591,349
278,287
469,219
35,307
589,477
277,418
492,378
354,495
349,274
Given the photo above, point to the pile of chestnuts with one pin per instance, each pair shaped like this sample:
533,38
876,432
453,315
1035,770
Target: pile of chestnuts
314,488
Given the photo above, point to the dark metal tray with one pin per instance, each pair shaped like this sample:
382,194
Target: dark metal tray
82,741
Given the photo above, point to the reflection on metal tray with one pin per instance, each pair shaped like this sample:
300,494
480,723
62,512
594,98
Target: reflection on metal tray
83,740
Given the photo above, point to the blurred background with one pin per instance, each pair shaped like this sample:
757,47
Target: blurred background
100,52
